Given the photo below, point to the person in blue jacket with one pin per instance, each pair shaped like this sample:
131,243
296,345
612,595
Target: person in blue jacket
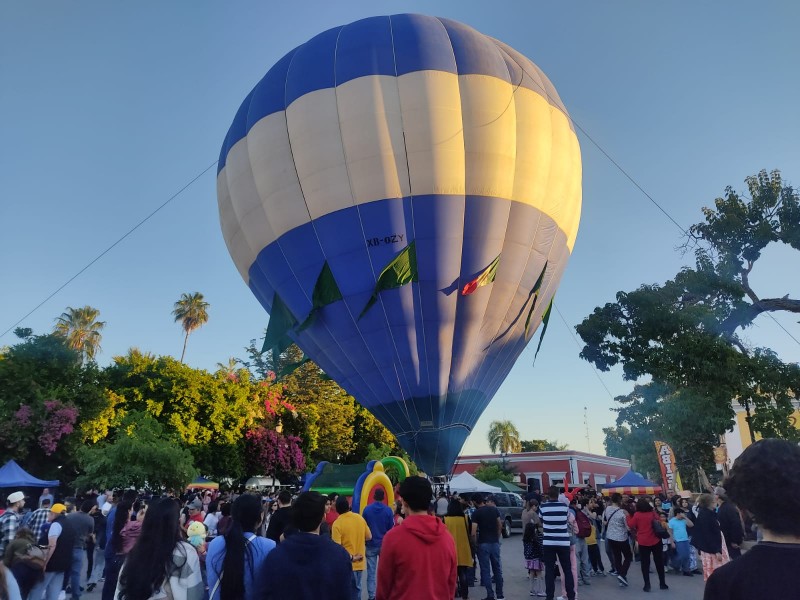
380,519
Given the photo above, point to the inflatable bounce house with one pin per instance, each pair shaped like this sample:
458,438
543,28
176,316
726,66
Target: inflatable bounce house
357,481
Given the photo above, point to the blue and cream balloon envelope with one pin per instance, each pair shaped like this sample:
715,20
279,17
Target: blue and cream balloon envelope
404,192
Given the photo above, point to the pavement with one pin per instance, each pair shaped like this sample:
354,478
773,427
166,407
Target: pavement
517,586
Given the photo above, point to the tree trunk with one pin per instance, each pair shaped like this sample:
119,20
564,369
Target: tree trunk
748,419
186,339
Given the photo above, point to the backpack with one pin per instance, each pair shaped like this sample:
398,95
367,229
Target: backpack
584,525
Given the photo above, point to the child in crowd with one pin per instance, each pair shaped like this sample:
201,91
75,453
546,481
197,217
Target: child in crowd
534,556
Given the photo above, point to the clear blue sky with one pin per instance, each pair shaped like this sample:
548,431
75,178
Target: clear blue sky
107,109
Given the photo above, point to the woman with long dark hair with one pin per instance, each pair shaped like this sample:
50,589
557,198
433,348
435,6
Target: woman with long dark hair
161,564
122,516
233,560
642,524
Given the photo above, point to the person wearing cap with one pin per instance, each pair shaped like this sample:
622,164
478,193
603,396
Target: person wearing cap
10,520
730,521
194,512
58,556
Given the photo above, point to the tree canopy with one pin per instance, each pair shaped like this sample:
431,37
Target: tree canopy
81,330
491,470
503,436
686,335
541,446
140,454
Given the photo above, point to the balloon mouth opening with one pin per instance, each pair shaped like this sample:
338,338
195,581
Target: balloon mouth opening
435,449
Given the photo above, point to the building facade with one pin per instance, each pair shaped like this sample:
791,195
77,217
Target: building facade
540,470
738,438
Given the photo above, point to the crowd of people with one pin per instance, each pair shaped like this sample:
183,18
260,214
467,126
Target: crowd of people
310,546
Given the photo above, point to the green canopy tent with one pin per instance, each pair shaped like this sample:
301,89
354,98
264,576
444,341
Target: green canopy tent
505,486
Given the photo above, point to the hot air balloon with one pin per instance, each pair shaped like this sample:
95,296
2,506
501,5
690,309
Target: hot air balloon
402,195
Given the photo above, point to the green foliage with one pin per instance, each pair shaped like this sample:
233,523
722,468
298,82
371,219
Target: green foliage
684,334
503,435
207,413
142,454
541,446
489,470
332,425
81,330
45,390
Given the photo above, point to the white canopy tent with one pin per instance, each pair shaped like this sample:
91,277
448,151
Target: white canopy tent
464,482
262,482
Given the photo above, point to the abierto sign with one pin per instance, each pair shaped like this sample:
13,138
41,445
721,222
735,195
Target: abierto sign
669,470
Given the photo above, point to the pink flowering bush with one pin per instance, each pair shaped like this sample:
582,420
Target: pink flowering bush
59,421
272,453
23,416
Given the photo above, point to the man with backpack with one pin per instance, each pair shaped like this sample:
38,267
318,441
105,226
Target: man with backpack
581,548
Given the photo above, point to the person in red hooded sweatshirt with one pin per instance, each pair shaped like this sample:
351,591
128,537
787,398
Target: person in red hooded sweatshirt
418,558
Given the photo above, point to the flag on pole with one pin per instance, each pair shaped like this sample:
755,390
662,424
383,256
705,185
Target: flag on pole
486,277
545,321
281,320
669,470
326,291
535,293
399,272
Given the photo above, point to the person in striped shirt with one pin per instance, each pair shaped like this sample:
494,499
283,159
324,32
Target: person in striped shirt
555,523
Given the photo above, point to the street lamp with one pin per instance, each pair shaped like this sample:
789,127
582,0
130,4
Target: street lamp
503,455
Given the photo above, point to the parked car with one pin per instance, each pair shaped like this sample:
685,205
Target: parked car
510,507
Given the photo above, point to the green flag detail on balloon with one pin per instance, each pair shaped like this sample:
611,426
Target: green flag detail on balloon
281,321
535,293
290,368
545,321
485,278
399,272
326,291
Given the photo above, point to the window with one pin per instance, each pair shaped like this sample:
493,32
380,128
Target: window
534,482
501,499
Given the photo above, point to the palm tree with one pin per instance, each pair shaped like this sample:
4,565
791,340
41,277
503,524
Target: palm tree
81,330
192,311
503,435
228,369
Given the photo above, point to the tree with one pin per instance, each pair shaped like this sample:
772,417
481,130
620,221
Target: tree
192,311
81,330
491,470
46,392
209,414
272,453
229,369
503,435
686,334
142,454
541,446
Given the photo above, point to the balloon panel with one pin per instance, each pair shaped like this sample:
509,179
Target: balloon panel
387,131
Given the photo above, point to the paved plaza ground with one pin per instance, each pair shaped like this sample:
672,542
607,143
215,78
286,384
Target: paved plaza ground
602,588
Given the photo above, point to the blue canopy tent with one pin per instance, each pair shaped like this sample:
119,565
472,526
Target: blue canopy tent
633,484
14,476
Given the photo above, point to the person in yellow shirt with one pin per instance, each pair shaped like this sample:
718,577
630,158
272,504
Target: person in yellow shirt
351,532
458,525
